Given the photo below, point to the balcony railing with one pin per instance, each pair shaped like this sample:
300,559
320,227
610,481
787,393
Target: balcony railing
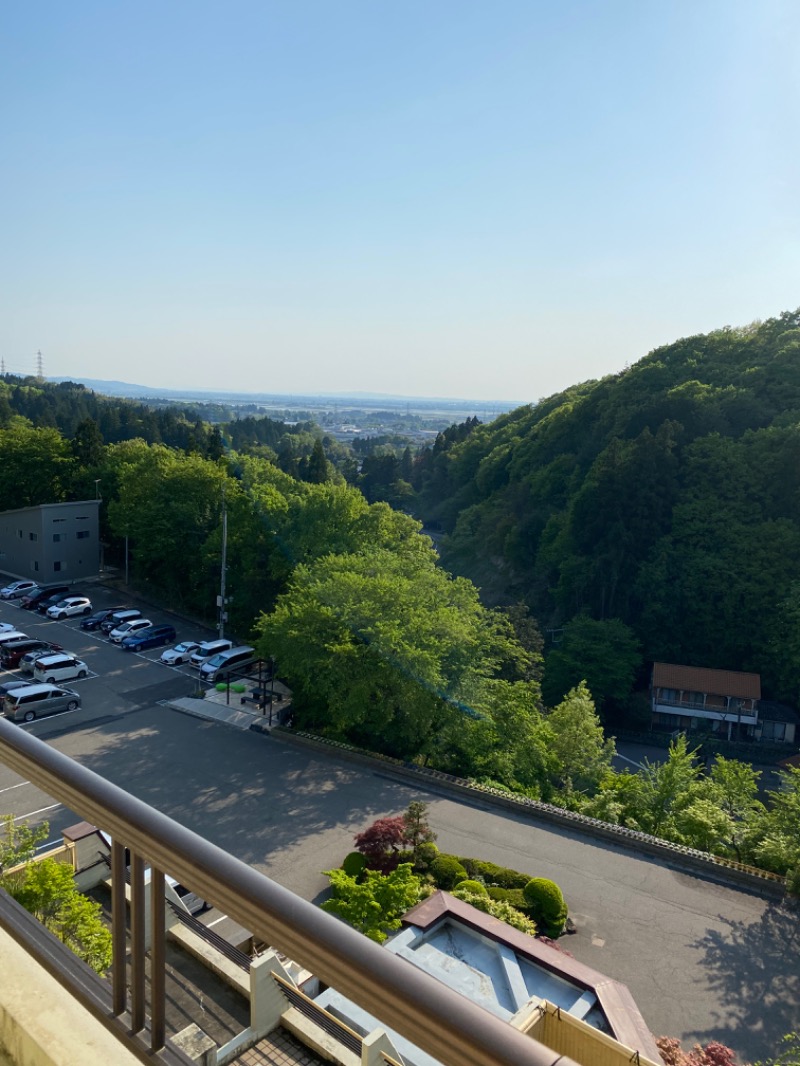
425,1011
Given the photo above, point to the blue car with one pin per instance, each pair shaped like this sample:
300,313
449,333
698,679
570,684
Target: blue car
152,637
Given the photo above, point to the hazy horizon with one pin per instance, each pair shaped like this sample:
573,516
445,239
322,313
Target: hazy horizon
430,201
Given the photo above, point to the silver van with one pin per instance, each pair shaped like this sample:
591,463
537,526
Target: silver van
204,651
36,701
226,662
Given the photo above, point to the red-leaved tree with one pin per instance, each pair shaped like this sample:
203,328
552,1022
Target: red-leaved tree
381,843
713,1054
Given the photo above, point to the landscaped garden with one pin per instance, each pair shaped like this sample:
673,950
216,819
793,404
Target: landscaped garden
397,863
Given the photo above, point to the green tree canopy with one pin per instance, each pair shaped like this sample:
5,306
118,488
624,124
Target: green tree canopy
385,650
374,905
604,654
582,754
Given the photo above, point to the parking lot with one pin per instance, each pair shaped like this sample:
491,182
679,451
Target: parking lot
119,682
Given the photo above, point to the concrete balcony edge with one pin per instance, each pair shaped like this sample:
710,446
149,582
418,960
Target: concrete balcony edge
41,1024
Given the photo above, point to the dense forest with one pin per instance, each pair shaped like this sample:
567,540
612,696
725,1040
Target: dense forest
652,515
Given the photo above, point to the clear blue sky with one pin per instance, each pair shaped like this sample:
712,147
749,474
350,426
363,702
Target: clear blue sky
488,200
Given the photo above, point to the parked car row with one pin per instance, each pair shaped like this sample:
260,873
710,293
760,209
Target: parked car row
43,665
213,659
51,600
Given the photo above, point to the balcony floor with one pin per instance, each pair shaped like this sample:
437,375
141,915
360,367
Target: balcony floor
279,1048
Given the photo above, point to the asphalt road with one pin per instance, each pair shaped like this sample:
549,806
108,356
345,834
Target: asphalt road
703,962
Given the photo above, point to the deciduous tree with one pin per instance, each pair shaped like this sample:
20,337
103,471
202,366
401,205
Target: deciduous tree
375,904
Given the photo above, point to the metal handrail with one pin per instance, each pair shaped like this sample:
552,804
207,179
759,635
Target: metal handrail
434,1017
329,1024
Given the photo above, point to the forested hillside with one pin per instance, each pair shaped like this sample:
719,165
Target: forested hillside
666,497
382,647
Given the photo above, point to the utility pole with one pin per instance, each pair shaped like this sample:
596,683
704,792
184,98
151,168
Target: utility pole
221,600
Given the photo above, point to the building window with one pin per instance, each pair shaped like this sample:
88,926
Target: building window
773,731
82,534
81,518
56,538
33,536
35,565
59,566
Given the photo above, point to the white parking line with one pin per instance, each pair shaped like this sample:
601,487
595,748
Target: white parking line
41,810
50,844
631,761
20,785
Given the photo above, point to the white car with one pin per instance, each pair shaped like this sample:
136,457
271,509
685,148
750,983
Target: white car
17,589
12,634
59,667
6,627
127,629
69,607
180,653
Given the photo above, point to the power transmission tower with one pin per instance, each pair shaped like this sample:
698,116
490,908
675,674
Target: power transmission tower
39,365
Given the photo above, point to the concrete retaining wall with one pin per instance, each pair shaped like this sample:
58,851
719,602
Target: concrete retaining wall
723,871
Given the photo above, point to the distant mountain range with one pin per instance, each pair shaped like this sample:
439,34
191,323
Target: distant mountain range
132,391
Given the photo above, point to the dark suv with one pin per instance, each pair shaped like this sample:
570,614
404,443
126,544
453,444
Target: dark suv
94,620
11,654
31,602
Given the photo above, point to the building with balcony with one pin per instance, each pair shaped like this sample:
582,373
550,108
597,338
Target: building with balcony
688,698
726,702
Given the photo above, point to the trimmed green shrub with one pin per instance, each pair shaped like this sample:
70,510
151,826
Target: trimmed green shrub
354,864
514,896
447,871
426,853
474,887
504,912
546,904
493,874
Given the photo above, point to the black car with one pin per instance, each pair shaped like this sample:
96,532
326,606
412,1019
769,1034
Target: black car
94,620
33,599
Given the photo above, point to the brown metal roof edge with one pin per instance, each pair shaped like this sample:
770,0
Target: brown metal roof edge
618,1005
630,1028
706,679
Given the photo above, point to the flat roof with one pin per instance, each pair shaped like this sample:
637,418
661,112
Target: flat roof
495,957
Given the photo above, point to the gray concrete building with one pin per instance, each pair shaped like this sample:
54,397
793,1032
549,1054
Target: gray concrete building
51,542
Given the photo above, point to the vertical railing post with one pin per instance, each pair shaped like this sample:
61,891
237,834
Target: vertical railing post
137,944
119,914
158,960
